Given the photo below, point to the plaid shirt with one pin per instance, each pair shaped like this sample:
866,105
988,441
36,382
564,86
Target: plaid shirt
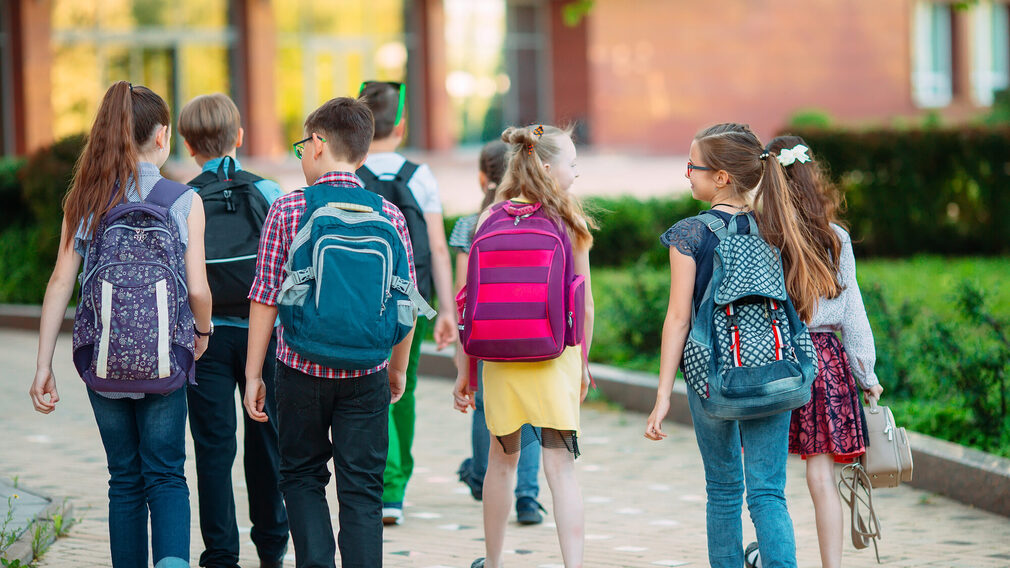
279,230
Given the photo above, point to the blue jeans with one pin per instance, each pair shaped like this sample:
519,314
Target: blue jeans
346,420
480,439
145,445
213,425
762,468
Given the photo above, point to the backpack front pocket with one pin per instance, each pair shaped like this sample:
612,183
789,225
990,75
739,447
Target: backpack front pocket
575,316
134,327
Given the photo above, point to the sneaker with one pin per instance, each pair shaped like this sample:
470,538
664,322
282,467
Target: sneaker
392,514
465,475
528,511
479,563
752,556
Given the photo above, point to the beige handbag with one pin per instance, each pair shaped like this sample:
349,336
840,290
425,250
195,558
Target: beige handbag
888,457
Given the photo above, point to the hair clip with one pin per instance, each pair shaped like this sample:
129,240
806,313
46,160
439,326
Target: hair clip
798,153
538,131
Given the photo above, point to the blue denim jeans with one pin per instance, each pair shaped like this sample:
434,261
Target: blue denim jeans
145,445
480,439
213,424
760,467
346,420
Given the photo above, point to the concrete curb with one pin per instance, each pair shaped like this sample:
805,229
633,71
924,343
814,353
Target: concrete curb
27,544
960,473
963,474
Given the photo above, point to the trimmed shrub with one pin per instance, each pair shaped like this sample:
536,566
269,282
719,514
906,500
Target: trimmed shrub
936,190
14,208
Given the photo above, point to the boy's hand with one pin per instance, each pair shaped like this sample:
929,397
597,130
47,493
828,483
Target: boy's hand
462,394
255,399
446,331
397,384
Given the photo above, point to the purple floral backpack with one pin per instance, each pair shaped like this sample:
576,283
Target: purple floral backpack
133,331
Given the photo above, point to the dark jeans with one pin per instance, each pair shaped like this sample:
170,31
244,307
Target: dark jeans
213,423
145,445
355,413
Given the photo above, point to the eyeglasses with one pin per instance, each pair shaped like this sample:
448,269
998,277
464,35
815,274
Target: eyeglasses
401,87
691,167
300,145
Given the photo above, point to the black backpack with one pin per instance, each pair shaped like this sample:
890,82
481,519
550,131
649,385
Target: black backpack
394,188
235,211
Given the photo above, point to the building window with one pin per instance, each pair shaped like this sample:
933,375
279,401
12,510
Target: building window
932,61
476,80
324,53
991,51
179,50
529,97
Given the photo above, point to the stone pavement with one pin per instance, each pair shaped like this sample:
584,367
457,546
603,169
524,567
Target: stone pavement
645,501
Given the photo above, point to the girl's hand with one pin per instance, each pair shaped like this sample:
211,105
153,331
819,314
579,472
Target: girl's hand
872,394
462,394
654,427
201,346
44,383
446,331
584,392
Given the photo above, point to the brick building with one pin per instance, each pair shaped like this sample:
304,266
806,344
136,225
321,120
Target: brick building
636,75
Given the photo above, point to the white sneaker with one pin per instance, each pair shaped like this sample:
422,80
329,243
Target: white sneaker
392,516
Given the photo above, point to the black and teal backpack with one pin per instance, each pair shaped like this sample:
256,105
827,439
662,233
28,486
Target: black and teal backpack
748,354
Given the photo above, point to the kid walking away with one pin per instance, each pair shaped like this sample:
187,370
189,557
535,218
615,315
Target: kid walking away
143,318
539,375
335,263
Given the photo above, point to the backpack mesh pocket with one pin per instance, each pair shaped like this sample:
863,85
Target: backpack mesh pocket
697,359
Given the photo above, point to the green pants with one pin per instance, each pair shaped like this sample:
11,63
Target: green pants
399,462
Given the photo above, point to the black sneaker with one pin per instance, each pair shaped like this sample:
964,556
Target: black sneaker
479,563
528,511
465,475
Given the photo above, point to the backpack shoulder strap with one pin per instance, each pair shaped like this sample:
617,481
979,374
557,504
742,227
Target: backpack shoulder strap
165,192
243,175
204,179
407,171
714,224
367,176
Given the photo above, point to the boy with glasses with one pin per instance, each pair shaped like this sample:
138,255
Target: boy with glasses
413,189
325,411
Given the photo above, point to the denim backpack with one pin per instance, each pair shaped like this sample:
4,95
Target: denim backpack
748,354
347,298
522,300
133,330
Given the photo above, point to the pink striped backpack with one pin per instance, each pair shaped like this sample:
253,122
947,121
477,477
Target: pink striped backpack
522,300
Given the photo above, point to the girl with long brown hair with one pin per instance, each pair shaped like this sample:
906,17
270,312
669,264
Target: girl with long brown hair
730,168
143,435
830,428
545,394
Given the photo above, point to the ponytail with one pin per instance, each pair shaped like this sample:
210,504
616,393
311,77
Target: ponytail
127,116
752,167
531,148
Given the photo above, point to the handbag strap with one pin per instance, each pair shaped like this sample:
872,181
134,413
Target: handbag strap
855,490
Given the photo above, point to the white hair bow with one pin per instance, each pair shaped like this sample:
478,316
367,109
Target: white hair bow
798,152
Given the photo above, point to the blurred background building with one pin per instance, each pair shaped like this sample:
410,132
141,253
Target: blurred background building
637,76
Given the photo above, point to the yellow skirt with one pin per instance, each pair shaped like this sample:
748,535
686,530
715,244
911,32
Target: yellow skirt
541,393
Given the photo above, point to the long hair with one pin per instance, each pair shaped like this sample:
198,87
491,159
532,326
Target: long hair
818,202
127,117
527,176
492,163
737,150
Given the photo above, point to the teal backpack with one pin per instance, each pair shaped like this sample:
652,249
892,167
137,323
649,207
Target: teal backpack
748,354
347,298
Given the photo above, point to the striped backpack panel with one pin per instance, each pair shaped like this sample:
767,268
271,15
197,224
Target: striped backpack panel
521,301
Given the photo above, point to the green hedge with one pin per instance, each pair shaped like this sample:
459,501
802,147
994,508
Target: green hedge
938,191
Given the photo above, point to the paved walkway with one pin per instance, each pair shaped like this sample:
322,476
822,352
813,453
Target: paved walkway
645,502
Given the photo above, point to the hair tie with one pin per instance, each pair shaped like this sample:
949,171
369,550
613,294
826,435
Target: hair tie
763,156
538,132
131,87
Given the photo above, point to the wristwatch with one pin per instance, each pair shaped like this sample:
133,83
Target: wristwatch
202,334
